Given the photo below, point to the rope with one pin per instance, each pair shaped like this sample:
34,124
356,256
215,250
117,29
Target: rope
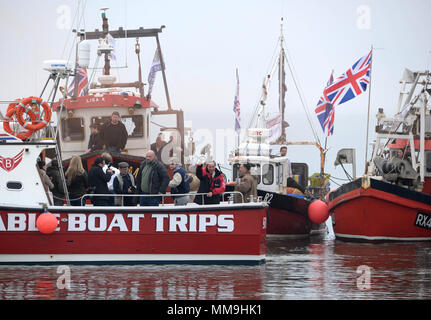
303,102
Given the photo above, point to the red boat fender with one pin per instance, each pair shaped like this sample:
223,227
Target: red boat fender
46,223
318,211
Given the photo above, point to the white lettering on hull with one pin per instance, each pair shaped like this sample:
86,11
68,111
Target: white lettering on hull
100,222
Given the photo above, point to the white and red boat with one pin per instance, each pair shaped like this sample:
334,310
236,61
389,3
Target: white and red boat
392,202
228,233
32,230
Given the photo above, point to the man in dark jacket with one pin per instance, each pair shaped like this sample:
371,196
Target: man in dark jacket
53,171
212,183
153,178
113,134
124,183
94,143
98,181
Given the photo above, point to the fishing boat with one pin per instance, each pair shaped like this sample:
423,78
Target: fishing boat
392,201
34,231
288,206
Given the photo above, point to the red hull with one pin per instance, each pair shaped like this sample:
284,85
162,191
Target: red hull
202,234
288,217
286,223
380,212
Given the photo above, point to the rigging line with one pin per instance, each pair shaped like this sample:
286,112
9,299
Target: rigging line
316,137
335,182
269,68
69,33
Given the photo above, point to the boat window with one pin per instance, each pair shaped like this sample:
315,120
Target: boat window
14,185
268,174
427,161
235,172
134,124
255,170
72,129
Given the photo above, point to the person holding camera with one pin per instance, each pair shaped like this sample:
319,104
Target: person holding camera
124,183
98,181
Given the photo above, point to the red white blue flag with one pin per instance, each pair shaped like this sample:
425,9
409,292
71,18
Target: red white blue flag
236,105
81,78
346,87
325,110
351,83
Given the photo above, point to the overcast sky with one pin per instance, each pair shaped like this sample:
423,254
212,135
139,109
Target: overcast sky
204,41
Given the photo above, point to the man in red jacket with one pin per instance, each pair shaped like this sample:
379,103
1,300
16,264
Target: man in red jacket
212,183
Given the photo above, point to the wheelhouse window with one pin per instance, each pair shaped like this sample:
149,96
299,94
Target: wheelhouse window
428,161
72,129
134,124
268,174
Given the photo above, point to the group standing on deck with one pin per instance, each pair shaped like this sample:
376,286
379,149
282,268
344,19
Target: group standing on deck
152,179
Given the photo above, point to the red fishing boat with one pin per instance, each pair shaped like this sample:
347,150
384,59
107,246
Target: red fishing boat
392,202
288,206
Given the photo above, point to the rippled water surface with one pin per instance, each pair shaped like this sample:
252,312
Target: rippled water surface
317,268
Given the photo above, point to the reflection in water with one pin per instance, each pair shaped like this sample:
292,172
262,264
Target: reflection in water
318,268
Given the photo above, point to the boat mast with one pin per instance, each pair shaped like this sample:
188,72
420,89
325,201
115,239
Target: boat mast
281,78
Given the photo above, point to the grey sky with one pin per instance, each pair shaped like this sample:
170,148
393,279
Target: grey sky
205,41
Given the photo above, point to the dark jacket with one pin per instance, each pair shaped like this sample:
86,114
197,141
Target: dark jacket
98,180
215,184
78,186
114,135
184,186
53,171
95,142
159,178
121,186
158,152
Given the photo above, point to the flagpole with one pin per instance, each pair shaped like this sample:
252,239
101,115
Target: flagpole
368,113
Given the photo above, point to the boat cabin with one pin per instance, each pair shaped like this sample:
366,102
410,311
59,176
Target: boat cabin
271,171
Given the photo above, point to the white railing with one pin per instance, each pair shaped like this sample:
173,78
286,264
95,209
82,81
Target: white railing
163,196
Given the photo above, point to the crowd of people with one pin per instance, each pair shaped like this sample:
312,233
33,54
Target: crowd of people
106,185
111,186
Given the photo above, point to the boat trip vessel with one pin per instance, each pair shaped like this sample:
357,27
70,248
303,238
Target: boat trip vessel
33,230
392,201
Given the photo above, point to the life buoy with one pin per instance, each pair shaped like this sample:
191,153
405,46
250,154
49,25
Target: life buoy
6,125
25,107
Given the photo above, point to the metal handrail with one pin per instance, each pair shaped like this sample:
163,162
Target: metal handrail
168,194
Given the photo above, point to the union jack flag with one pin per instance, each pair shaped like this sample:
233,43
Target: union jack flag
236,105
82,78
346,87
351,83
325,110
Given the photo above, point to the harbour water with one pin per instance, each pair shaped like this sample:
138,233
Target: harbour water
318,268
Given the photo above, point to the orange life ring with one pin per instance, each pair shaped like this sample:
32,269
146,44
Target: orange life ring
6,126
25,107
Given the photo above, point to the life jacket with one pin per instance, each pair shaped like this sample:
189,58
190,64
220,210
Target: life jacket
184,186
